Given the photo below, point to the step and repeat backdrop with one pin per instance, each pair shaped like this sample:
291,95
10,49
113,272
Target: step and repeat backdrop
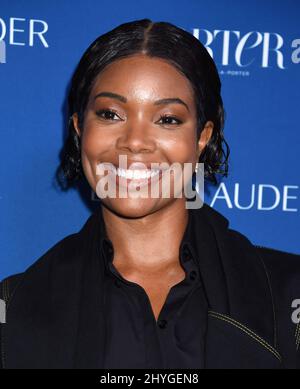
256,46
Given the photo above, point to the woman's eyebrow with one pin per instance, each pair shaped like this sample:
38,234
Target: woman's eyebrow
169,100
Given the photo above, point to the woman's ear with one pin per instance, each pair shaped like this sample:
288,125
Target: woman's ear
75,123
205,136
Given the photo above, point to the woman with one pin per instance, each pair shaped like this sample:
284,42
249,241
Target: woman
149,282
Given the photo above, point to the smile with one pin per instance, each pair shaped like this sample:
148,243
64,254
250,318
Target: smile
138,174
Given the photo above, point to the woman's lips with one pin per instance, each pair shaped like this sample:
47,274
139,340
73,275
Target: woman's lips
124,180
137,182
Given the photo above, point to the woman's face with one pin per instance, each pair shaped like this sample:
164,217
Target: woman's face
134,126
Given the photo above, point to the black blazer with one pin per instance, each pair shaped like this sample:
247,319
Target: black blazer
55,317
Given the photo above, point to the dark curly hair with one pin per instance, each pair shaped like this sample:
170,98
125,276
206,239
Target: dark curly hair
155,39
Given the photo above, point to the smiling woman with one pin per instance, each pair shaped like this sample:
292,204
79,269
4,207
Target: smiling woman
148,282
136,120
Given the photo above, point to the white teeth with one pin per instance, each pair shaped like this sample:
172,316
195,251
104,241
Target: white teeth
136,174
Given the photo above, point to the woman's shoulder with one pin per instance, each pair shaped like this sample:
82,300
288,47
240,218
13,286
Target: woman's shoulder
60,251
60,260
277,257
280,263
283,269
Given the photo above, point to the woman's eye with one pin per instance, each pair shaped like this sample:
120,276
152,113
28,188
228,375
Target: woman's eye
168,120
106,114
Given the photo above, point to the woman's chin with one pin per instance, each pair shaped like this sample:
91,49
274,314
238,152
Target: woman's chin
133,208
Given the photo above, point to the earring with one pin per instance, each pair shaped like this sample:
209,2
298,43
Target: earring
196,168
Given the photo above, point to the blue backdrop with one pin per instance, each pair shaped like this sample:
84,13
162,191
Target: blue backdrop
256,45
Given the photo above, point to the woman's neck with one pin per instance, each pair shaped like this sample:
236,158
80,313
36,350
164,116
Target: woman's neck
151,241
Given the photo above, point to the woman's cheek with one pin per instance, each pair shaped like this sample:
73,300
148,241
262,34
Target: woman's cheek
88,171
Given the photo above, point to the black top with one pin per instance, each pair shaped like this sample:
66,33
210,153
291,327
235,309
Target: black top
67,310
134,338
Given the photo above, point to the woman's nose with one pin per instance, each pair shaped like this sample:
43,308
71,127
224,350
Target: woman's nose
137,138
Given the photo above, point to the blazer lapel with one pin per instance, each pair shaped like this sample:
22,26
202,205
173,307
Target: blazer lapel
240,323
